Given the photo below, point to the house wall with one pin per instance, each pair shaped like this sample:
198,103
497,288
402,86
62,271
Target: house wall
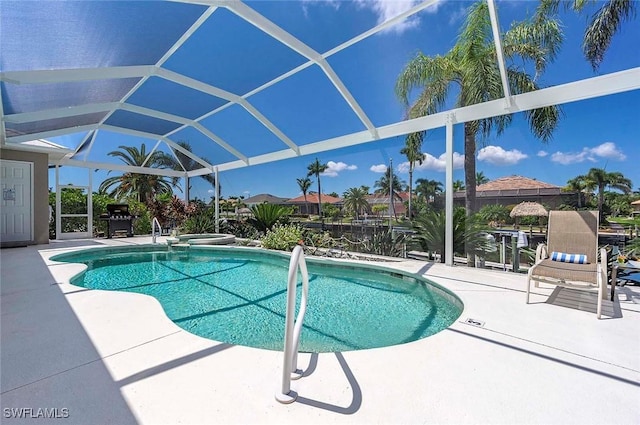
40,191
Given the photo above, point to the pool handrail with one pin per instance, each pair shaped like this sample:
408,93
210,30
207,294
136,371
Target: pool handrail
292,331
153,229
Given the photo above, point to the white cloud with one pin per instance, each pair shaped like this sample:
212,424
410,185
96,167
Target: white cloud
387,9
542,154
380,168
495,155
335,167
607,150
430,162
305,5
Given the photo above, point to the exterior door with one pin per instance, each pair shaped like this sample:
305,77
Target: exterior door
16,222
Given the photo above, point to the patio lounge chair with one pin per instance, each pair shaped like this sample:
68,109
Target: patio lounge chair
576,233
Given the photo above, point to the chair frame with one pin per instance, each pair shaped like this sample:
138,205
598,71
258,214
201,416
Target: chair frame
596,281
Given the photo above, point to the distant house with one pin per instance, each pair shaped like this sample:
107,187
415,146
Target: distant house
512,190
311,204
398,203
265,198
636,208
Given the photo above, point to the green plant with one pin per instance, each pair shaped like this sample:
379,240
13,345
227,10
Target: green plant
386,242
201,222
468,234
498,214
331,211
283,237
239,228
265,216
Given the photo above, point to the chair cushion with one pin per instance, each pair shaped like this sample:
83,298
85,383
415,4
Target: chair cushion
566,271
569,258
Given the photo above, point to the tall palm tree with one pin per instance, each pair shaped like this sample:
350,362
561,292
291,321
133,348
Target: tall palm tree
143,186
471,66
601,179
389,183
428,188
355,201
314,169
481,178
181,162
304,184
413,151
603,24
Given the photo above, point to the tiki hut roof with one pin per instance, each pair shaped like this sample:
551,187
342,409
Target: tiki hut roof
528,209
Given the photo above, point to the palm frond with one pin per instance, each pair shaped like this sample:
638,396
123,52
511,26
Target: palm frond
603,26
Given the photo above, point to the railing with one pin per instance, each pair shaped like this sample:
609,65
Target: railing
153,229
292,332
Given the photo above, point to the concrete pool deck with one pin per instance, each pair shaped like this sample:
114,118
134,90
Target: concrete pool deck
109,357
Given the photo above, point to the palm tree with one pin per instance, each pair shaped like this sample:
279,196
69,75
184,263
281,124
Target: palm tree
428,189
143,186
603,25
413,151
481,178
601,179
458,185
389,183
577,185
471,65
315,168
304,184
355,201
182,162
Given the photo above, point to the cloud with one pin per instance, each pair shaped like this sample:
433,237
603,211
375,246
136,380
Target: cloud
380,168
387,9
542,154
432,163
335,167
607,150
335,4
495,155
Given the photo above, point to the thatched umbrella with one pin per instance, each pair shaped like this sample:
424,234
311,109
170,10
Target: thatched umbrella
528,209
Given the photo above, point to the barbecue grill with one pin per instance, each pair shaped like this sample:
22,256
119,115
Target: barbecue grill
118,219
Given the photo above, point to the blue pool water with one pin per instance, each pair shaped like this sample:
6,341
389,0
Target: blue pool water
239,296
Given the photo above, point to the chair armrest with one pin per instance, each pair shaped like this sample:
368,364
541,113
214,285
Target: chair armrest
541,252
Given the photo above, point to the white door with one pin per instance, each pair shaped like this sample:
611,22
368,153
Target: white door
16,217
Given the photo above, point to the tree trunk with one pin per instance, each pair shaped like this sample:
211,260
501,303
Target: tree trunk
410,188
470,178
319,197
600,202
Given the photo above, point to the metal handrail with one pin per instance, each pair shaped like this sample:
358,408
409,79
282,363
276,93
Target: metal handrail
292,331
153,229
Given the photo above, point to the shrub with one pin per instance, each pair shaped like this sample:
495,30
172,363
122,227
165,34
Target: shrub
283,237
201,222
265,216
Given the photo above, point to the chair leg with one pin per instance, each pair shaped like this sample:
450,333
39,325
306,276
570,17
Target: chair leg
601,294
528,287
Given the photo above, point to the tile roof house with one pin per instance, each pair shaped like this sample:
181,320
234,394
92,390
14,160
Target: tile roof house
311,204
512,190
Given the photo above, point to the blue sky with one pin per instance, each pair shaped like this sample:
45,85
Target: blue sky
602,132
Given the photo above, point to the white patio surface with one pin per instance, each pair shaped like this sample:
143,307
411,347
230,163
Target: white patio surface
111,357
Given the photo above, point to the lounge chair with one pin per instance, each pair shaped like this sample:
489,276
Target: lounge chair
572,233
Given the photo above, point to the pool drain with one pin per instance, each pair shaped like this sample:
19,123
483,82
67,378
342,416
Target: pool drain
474,322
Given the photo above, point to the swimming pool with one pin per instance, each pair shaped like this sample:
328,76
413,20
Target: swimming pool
238,295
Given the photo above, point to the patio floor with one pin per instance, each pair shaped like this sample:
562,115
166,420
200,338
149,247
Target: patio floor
110,357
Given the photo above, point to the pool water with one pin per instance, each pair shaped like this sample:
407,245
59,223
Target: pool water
239,297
